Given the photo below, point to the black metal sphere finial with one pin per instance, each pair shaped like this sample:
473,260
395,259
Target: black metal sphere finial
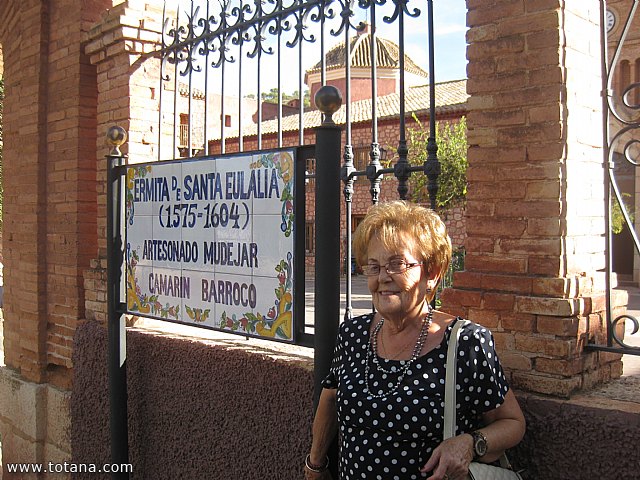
328,100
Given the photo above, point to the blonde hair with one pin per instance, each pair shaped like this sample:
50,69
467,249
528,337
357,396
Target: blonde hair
389,220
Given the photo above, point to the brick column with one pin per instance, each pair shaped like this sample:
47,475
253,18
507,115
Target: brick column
536,187
49,196
121,47
49,217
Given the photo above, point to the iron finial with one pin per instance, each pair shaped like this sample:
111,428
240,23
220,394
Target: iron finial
116,136
328,100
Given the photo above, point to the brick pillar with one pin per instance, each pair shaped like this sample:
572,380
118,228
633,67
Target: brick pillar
536,187
48,217
121,47
49,196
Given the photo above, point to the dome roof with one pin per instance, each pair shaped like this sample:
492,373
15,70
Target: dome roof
387,56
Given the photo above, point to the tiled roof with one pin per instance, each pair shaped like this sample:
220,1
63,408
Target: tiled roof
387,56
451,97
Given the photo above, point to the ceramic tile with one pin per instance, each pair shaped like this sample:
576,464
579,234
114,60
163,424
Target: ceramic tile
273,175
273,246
233,173
167,288
139,232
138,289
234,251
138,182
274,307
203,237
198,308
164,193
199,189
155,292
167,248
199,183
235,300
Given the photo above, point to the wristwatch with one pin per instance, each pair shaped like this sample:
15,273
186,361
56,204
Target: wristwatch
480,446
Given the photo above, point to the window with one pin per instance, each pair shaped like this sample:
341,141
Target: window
184,130
355,221
309,237
310,169
361,160
227,120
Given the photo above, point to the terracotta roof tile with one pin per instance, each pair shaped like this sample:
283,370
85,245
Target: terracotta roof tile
451,97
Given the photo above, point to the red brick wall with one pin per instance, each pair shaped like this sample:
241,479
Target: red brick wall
127,96
50,202
360,87
388,137
535,198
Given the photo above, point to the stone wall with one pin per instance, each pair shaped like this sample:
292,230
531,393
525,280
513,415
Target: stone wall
184,423
221,408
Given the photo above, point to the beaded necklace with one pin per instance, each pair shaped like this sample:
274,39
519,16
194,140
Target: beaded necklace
372,355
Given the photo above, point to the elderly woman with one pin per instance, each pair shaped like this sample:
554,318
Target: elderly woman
385,390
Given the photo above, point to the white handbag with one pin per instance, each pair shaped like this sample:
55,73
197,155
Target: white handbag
477,470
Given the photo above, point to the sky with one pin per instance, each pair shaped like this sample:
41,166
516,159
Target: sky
449,35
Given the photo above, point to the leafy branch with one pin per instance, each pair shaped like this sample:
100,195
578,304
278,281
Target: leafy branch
451,139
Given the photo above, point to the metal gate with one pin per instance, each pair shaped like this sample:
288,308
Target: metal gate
216,54
621,101
227,50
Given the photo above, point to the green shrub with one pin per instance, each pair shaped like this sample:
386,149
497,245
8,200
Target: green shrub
451,139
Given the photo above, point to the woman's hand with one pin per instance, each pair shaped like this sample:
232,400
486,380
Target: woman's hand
451,459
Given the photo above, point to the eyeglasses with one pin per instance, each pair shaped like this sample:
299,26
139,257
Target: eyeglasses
393,267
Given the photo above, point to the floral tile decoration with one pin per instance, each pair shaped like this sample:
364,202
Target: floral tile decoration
210,242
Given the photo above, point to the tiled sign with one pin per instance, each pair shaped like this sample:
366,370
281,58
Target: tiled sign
210,242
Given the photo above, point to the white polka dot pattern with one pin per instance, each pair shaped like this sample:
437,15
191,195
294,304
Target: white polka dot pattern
393,436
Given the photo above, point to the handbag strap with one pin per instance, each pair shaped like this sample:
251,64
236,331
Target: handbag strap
450,387
450,380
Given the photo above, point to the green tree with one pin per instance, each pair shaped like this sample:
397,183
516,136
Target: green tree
451,139
617,217
272,96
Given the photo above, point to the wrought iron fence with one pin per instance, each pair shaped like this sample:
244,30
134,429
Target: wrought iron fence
201,39
620,126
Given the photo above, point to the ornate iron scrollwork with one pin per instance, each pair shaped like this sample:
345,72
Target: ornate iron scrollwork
192,35
623,108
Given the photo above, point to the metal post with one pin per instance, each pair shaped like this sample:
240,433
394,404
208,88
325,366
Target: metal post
327,295
116,136
327,281
432,165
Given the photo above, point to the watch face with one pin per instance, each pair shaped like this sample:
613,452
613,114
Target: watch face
479,444
611,20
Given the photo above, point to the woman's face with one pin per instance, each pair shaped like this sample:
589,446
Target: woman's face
398,295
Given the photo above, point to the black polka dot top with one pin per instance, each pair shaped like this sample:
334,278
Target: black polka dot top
393,436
